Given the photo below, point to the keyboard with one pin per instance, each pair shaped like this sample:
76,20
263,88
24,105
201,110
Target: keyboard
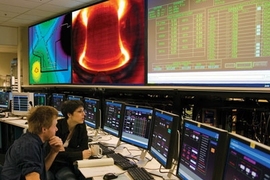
139,173
121,161
125,165
105,150
117,157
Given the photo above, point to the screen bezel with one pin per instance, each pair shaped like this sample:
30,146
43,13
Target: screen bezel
52,102
38,94
5,106
218,163
175,119
252,144
74,97
20,112
137,143
157,79
125,75
63,74
97,122
111,131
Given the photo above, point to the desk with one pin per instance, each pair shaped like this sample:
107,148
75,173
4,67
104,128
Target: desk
11,129
133,152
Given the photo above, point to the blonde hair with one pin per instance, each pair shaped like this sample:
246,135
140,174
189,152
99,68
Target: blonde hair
41,117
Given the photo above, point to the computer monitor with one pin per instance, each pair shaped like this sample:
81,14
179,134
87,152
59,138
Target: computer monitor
112,121
22,102
137,124
164,135
57,100
92,112
202,153
246,159
40,99
74,97
4,101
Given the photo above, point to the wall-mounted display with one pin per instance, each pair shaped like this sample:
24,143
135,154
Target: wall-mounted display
108,43
222,43
50,51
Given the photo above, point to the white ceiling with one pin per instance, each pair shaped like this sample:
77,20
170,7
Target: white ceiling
22,13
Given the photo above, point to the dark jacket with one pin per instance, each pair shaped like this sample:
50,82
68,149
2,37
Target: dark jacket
77,143
25,155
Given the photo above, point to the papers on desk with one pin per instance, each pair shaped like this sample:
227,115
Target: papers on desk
97,167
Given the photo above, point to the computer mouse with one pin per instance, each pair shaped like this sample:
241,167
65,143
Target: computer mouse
109,176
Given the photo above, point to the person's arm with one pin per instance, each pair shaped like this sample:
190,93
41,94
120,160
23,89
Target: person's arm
56,145
77,145
32,176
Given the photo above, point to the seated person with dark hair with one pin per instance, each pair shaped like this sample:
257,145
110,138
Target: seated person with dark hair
72,131
25,159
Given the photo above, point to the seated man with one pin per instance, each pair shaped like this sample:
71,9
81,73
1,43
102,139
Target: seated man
25,159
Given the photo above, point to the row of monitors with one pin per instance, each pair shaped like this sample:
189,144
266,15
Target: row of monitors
143,126
209,153
202,152
206,152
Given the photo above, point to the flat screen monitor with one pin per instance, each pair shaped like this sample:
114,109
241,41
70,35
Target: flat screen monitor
4,101
92,112
57,100
74,97
112,121
40,99
22,102
164,137
202,152
246,159
137,124
50,51
108,43
209,43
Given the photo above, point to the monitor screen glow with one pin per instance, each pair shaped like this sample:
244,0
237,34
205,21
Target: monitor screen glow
164,137
50,51
40,99
92,112
202,153
209,43
74,97
4,100
21,103
137,125
113,117
109,43
246,159
57,100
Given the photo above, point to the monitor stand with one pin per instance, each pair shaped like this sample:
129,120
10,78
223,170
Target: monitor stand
168,175
94,135
142,161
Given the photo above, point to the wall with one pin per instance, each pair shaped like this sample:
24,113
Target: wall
5,68
8,50
23,54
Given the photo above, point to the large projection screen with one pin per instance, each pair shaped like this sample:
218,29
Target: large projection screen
213,43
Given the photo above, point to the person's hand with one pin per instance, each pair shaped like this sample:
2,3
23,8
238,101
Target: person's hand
86,154
56,144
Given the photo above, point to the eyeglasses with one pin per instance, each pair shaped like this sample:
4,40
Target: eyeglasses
81,111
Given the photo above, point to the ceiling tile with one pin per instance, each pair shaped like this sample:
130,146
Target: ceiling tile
66,3
16,13
52,8
14,9
8,14
39,13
